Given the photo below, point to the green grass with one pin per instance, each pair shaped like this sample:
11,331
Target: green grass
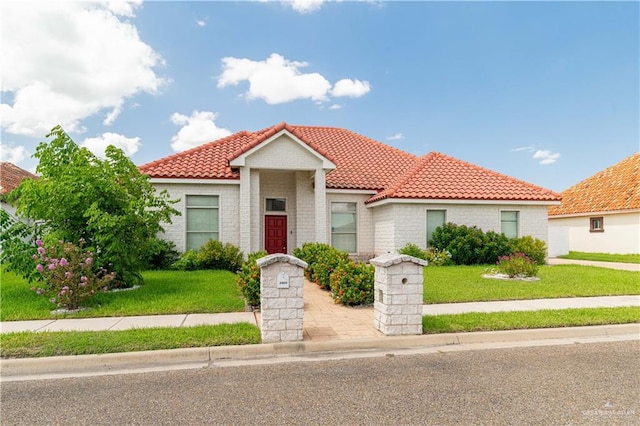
602,257
42,344
163,292
450,284
529,319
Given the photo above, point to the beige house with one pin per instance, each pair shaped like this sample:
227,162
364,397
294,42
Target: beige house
601,214
285,185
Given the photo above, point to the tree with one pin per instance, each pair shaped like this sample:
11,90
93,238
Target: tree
107,203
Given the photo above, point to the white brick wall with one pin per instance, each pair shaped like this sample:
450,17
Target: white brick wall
283,154
229,210
399,224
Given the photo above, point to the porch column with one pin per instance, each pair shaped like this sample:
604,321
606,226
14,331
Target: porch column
321,206
245,210
256,214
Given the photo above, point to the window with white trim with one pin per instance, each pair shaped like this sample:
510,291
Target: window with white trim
435,218
203,215
344,235
276,205
509,223
596,224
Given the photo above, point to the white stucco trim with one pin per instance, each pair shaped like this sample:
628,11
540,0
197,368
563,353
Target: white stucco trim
596,213
475,202
196,181
239,161
351,191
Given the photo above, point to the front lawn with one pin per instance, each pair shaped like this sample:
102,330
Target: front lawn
602,257
163,292
450,284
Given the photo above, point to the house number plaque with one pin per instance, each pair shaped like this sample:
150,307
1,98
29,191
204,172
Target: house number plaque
282,280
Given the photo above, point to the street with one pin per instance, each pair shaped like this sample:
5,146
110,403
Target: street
594,383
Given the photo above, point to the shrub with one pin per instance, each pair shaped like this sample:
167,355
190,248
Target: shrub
161,255
517,265
437,257
326,262
249,278
534,248
216,255
352,283
69,274
411,249
309,252
493,246
187,262
463,242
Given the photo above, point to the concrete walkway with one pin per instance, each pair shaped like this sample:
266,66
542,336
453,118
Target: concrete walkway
611,265
323,320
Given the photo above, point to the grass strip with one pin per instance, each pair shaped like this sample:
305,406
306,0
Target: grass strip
42,344
451,284
548,318
602,257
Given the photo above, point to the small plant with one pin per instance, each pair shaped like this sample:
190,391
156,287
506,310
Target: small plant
353,283
216,255
534,248
69,274
518,265
322,260
187,262
249,278
437,257
411,249
161,255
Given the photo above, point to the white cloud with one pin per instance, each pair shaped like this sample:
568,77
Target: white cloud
395,137
304,6
201,22
13,154
66,61
99,145
529,148
545,156
196,130
351,88
335,106
278,80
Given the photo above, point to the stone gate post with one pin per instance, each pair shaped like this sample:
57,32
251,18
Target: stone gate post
281,298
398,295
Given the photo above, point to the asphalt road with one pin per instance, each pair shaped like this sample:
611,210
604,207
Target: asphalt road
594,383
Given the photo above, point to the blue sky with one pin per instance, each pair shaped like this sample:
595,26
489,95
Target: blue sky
546,92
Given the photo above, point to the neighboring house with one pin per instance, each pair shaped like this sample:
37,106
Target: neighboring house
601,214
10,177
285,185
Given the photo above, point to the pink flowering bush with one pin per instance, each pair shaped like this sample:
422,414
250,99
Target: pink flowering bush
518,265
68,274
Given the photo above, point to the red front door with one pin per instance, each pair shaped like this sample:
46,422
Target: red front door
275,234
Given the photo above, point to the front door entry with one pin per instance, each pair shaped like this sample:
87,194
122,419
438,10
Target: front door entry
275,234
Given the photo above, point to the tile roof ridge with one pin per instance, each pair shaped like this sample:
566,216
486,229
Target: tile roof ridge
200,147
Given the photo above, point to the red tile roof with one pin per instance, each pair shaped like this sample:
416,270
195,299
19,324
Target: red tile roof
613,189
361,163
11,176
438,176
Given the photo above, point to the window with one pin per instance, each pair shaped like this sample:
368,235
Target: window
276,205
435,218
202,220
596,224
343,227
509,224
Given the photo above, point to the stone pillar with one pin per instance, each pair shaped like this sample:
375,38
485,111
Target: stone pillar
245,210
398,295
281,298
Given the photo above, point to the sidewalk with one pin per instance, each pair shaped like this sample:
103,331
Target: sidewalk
611,265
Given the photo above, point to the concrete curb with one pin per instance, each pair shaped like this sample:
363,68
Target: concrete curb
83,365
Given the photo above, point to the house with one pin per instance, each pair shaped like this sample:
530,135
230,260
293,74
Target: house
601,214
10,177
285,185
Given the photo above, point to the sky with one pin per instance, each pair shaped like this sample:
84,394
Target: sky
545,92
